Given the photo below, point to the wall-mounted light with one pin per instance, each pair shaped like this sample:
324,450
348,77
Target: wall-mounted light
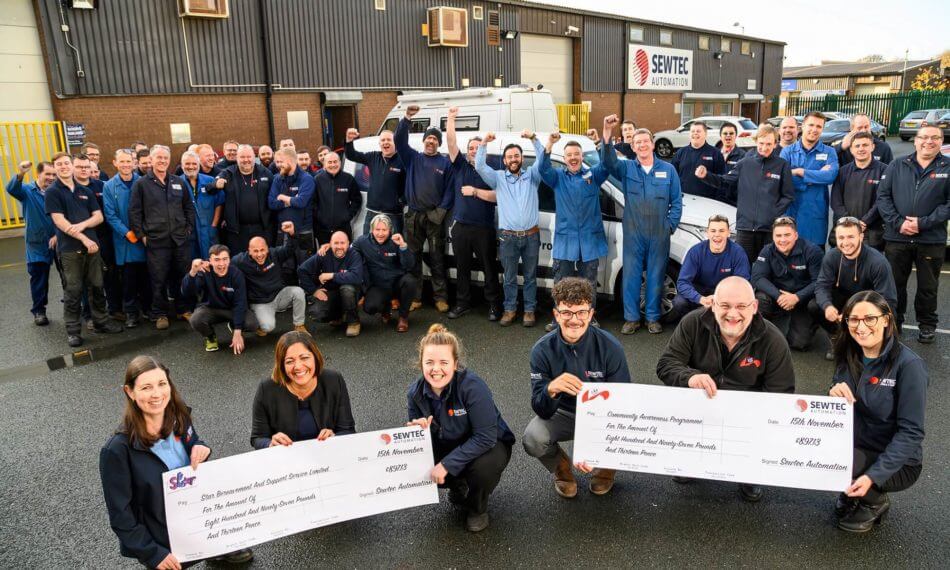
717,55
509,34
573,29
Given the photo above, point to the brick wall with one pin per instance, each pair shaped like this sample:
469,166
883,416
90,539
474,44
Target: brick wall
654,111
373,110
115,122
309,138
601,105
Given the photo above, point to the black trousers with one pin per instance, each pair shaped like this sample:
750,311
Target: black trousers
797,325
237,240
482,242
421,229
166,267
753,242
377,298
818,314
305,247
927,258
481,475
340,303
136,288
903,479
204,318
82,271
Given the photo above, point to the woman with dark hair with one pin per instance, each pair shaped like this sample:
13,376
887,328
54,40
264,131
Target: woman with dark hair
887,385
302,399
470,439
156,435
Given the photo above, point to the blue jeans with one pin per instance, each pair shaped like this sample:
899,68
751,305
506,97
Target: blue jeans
584,269
511,250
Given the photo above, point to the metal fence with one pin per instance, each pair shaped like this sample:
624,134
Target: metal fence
34,141
887,109
573,119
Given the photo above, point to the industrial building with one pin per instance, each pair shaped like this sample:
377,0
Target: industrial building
180,71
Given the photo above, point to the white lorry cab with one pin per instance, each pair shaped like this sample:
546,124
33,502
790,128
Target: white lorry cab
696,212
482,109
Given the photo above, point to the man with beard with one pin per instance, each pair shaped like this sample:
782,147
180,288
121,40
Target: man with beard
265,156
291,195
336,199
387,179
334,278
208,205
246,186
728,346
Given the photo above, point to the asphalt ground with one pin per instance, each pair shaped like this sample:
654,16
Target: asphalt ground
53,424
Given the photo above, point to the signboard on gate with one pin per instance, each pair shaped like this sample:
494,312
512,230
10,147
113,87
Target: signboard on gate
659,69
75,134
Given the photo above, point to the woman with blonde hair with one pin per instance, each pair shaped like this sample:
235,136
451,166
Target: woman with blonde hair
470,440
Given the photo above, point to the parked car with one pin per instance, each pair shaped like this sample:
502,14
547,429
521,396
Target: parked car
480,109
916,119
835,131
944,124
696,212
668,141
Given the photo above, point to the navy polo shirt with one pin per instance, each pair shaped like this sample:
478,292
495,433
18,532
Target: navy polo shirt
469,209
76,206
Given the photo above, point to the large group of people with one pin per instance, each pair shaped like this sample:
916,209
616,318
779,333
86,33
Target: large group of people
239,240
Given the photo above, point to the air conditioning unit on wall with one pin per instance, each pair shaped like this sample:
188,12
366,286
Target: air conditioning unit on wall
448,26
203,8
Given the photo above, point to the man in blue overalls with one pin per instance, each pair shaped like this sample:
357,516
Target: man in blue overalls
40,234
814,168
208,207
653,204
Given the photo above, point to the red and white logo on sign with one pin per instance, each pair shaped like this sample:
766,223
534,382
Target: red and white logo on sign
641,67
802,405
589,395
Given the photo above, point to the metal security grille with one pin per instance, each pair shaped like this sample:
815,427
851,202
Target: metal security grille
887,109
35,141
574,119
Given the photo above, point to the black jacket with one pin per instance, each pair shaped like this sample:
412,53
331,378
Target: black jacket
264,281
761,187
889,411
882,152
597,357
163,213
261,179
384,263
275,409
135,498
907,191
347,270
761,362
469,424
796,272
854,193
841,277
734,156
226,292
387,180
336,201
688,158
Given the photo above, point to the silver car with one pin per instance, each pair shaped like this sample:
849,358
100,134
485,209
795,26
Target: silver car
916,119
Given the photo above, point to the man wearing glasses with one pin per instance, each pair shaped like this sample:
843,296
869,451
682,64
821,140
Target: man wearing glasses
784,276
914,200
846,270
728,346
561,361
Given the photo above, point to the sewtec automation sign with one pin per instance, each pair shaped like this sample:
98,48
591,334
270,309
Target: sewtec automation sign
659,69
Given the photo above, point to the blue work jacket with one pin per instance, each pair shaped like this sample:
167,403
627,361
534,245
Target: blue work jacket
115,207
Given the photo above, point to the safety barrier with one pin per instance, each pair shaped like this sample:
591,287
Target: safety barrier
887,109
574,119
19,141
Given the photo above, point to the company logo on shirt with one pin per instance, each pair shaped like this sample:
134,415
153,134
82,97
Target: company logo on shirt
938,175
268,267
457,412
821,156
773,176
342,189
264,179
798,267
82,196
725,270
883,382
176,186
394,169
707,157
872,181
594,374
389,254
227,289
179,481
750,361
440,171
593,394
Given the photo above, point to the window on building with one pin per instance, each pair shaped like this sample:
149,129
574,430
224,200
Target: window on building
746,48
687,112
725,108
709,108
751,85
704,42
666,37
726,45
636,34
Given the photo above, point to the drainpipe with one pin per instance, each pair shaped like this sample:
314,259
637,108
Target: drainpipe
268,84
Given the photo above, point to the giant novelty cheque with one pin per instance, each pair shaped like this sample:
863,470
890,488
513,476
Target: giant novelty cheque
247,499
787,440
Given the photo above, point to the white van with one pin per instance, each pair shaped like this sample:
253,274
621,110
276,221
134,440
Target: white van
696,212
482,109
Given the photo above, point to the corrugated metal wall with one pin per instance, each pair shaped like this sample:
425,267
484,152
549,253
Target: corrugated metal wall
772,75
603,54
340,44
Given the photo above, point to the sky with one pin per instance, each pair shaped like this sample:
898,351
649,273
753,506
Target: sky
852,32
